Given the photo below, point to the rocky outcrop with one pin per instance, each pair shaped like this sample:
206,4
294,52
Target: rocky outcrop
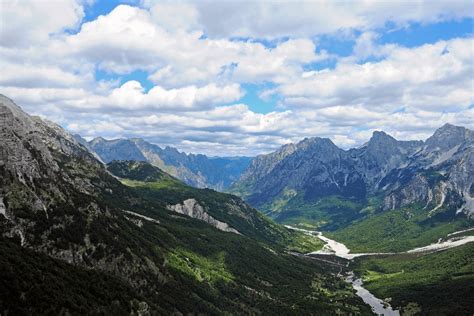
437,173
258,168
440,175
192,208
377,158
3,211
55,198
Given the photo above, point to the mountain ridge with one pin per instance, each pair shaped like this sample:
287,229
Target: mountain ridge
58,201
388,172
194,169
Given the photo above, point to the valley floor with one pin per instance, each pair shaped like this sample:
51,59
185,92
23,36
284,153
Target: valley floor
433,279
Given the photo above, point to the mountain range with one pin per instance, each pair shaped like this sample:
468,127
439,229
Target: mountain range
81,237
299,180
384,173
196,170
98,227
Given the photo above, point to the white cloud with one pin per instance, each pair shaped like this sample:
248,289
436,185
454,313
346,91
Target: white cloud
366,47
131,96
274,19
24,23
197,71
129,38
433,76
32,75
128,97
174,16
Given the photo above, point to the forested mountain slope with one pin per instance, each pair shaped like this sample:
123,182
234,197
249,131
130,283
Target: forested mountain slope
61,208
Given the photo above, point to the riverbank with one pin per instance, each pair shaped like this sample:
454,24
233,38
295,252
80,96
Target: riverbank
336,249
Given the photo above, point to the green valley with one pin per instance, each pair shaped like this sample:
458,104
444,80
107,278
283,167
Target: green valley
399,230
236,157
429,284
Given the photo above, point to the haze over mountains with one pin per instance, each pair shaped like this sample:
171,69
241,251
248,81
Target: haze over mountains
196,170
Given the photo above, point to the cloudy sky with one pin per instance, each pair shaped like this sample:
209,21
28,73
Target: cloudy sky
240,77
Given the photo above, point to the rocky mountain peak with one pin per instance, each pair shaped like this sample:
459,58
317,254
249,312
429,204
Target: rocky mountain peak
316,143
448,136
380,137
98,140
109,150
8,103
12,114
172,150
287,149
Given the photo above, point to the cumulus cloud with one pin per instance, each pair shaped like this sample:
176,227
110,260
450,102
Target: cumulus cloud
432,76
129,38
198,57
274,19
32,75
24,23
130,96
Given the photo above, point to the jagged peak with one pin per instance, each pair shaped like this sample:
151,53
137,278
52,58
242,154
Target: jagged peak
172,149
6,101
16,111
100,139
290,147
97,140
449,135
30,123
450,128
381,136
316,141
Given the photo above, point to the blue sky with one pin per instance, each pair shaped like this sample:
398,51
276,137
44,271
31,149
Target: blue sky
231,78
411,35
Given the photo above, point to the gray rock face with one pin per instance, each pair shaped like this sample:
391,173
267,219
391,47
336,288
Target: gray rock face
316,168
3,210
119,149
34,159
379,156
264,164
447,137
192,208
440,173
196,170
436,173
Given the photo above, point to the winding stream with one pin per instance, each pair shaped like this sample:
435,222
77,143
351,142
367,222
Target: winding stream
338,249
378,306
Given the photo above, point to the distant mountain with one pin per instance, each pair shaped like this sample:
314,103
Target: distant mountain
78,237
196,170
316,183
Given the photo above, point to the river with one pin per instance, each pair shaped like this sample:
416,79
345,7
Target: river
378,306
338,249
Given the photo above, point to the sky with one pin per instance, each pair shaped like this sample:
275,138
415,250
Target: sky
227,78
